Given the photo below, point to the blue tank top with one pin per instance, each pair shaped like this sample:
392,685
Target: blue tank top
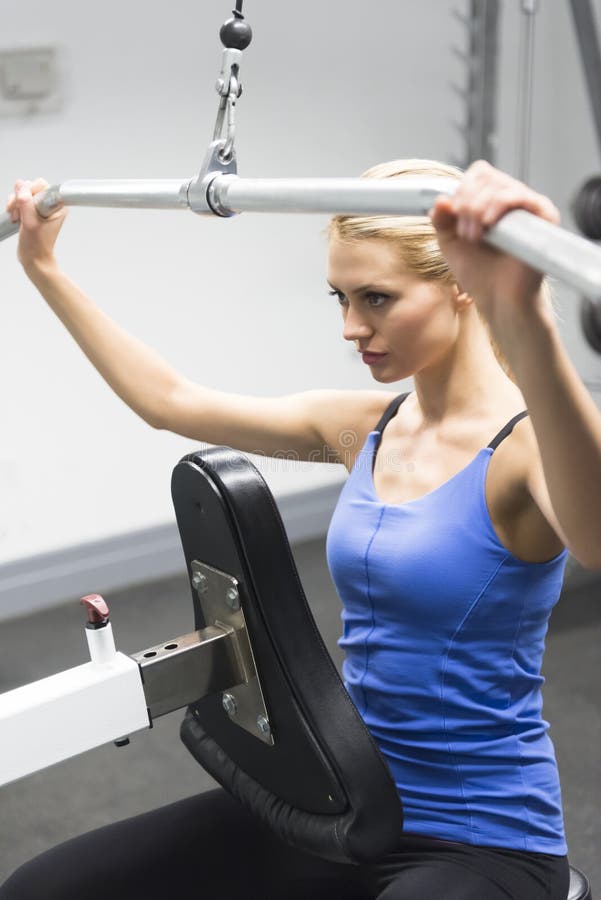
444,633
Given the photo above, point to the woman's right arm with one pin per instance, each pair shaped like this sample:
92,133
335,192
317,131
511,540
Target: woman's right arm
315,425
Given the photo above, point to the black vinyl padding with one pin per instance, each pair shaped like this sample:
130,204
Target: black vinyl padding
324,786
580,888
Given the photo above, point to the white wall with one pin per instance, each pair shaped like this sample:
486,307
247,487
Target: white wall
330,88
239,305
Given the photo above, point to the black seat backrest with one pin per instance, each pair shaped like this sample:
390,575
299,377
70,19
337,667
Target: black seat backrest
323,786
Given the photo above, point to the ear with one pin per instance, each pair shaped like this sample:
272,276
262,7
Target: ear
462,298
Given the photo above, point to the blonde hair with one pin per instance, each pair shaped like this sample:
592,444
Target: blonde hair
414,236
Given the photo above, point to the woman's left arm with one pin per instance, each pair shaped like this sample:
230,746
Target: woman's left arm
565,475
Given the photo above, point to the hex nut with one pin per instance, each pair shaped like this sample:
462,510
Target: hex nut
263,725
229,704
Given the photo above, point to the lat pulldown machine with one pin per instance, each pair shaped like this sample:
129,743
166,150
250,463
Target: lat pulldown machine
268,716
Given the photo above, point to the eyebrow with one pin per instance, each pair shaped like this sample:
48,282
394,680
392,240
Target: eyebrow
362,289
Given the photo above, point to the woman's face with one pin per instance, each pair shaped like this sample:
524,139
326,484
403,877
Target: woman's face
386,310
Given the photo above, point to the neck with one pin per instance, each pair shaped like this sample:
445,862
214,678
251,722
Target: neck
468,381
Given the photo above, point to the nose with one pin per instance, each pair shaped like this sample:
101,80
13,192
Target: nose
355,327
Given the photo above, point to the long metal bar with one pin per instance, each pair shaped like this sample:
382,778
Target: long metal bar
482,81
126,193
525,85
587,33
165,193
546,247
352,196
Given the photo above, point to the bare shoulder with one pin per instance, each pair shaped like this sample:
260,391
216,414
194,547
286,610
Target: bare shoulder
524,518
345,418
510,467
533,480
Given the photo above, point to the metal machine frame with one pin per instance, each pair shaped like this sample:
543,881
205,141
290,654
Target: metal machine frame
115,695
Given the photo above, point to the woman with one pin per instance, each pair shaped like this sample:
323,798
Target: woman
447,548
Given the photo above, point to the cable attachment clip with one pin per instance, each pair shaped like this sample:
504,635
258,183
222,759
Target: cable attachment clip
220,158
236,35
229,89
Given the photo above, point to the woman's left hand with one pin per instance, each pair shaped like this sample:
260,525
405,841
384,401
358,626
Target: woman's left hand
504,288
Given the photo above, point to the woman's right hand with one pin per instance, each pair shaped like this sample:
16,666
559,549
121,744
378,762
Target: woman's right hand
37,235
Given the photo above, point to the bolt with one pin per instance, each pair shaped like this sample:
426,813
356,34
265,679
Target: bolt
263,725
233,600
200,582
229,704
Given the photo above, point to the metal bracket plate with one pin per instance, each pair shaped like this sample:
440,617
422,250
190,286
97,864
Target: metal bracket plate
200,197
219,597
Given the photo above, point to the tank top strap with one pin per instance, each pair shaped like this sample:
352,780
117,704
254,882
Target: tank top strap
506,431
390,411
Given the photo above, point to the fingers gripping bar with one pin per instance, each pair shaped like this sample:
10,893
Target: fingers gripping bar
546,247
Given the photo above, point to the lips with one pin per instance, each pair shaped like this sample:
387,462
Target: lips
372,358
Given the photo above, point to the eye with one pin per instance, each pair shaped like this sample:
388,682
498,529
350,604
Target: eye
340,295
372,298
376,300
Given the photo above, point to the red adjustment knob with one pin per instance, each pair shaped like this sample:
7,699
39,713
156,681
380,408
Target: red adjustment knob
96,610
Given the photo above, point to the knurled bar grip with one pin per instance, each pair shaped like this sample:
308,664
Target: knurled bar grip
544,246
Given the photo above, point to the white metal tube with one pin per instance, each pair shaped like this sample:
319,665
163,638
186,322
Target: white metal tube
55,718
101,643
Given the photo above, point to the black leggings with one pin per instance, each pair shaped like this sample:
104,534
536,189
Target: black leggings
209,847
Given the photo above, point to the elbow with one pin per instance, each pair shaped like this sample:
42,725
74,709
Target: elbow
166,412
151,416
159,414
155,423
